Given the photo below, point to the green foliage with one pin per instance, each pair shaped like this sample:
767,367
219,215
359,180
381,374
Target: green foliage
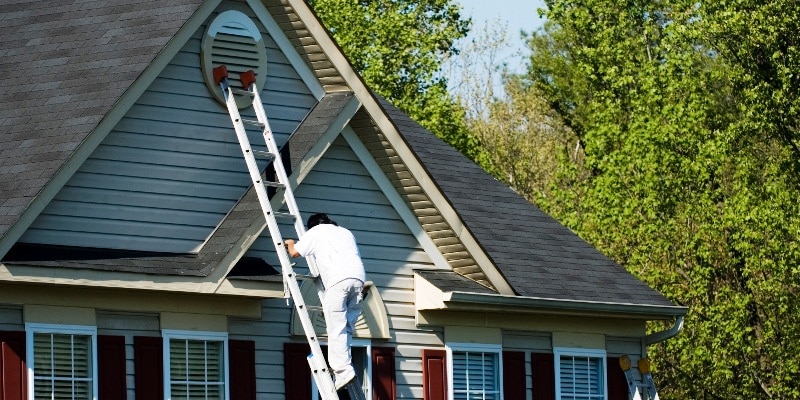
398,46
687,116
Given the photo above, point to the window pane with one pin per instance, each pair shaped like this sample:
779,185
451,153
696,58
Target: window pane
475,375
62,366
581,377
196,369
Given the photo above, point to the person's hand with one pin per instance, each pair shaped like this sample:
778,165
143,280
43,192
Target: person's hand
288,242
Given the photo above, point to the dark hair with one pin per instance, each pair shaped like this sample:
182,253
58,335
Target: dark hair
319,218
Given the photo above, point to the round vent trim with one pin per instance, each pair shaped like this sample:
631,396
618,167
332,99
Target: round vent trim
233,39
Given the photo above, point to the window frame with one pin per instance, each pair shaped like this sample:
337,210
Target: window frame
84,330
169,334
474,348
600,354
366,383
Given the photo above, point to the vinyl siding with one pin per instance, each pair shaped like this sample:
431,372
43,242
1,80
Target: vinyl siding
341,186
171,169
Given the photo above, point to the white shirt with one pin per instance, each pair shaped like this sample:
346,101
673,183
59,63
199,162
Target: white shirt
335,252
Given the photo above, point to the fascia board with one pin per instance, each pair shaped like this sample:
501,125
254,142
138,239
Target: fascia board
61,277
120,108
388,128
463,301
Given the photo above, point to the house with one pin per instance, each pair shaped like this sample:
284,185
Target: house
134,262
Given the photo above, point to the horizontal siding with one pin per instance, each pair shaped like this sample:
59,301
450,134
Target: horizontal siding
172,168
341,186
11,319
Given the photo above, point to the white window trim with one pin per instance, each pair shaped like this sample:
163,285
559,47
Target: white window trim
578,352
366,343
168,334
474,347
31,328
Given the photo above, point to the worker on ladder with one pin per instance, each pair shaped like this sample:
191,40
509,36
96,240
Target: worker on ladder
339,262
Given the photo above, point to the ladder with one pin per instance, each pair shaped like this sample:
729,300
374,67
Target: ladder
316,361
648,386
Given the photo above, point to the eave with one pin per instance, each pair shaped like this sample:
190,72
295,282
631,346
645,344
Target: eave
429,297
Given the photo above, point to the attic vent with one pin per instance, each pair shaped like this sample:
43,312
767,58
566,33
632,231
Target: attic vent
234,40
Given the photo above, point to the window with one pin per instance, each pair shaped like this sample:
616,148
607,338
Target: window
195,365
580,374
360,351
474,371
61,361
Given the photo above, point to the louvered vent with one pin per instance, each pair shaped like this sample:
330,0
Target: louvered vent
233,40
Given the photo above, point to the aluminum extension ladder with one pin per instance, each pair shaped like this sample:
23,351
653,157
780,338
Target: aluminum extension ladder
648,386
316,360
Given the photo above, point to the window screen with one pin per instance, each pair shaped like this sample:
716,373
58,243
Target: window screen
581,376
63,365
475,374
196,369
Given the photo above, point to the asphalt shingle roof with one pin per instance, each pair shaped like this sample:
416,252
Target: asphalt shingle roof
63,65
538,256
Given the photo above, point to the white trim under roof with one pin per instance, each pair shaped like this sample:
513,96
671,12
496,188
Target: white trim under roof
429,297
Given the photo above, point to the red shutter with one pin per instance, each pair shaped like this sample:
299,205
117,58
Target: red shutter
111,367
513,375
617,383
434,374
148,357
297,375
242,370
544,376
383,374
13,383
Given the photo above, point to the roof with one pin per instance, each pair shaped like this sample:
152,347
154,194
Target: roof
62,68
537,255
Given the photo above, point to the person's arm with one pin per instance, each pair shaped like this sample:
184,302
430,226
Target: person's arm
290,248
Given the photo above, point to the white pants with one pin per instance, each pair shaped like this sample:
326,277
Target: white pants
342,305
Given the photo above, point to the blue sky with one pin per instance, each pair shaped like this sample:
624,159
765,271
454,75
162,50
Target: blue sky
518,14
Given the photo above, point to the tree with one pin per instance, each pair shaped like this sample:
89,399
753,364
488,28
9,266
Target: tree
685,112
398,46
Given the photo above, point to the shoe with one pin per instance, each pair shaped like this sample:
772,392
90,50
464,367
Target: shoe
344,380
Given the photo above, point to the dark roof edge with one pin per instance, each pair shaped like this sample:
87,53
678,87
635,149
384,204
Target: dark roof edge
566,306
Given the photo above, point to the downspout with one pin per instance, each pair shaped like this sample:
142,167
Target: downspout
656,337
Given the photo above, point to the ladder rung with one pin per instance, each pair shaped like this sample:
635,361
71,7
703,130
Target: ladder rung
283,215
263,154
242,92
314,308
273,184
253,122
306,277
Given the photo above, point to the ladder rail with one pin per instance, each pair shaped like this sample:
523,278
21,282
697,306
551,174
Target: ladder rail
320,372
282,177
316,360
